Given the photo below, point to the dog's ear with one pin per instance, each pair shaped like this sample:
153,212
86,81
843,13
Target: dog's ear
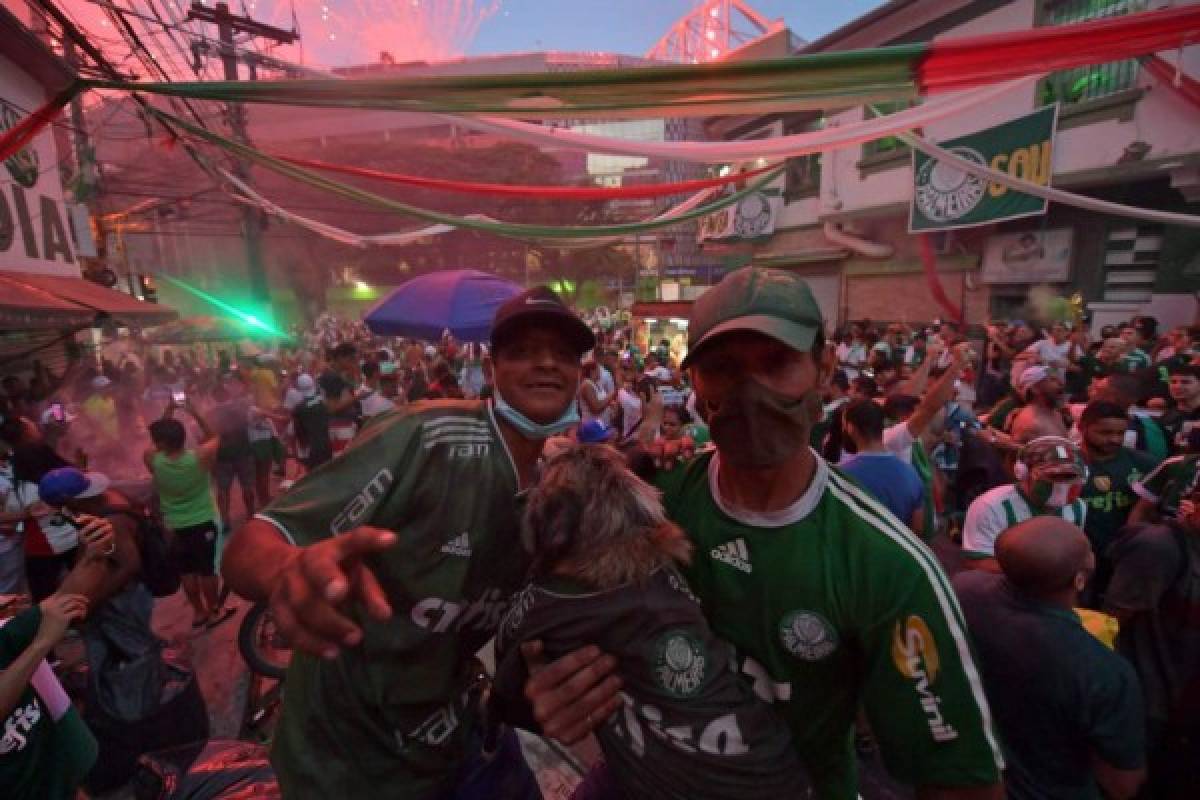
551,526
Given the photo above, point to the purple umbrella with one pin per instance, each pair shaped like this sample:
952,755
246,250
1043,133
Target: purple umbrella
462,301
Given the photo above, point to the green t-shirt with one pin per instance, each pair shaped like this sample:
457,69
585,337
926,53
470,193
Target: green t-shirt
1109,494
833,605
45,749
1170,482
1135,360
390,717
184,490
1089,369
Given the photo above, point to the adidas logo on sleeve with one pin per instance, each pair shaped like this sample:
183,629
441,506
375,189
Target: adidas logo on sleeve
734,554
458,546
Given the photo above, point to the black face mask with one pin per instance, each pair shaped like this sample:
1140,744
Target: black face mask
757,427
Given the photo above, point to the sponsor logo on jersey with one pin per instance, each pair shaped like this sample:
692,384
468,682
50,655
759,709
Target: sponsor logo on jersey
464,438
734,554
458,546
679,663
807,635
440,615
721,736
19,723
915,655
362,503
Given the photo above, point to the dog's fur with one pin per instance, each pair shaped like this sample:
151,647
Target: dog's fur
591,518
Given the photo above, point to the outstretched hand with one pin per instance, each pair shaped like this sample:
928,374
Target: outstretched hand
321,582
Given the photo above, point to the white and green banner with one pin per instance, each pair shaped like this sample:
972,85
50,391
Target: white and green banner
946,197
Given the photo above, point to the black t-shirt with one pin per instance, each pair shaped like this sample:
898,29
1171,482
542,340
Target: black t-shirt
691,728
1058,695
312,430
1156,581
1178,425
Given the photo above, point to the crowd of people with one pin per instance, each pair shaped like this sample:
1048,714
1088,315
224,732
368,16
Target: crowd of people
919,541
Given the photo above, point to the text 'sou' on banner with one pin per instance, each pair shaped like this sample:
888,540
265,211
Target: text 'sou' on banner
945,197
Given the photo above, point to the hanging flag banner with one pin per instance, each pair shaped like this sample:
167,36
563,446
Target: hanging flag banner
753,217
946,197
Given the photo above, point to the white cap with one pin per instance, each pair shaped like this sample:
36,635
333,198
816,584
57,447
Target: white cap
306,385
100,382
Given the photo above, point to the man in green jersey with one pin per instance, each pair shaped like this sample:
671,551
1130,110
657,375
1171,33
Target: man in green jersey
1049,475
1108,490
831,603
391,566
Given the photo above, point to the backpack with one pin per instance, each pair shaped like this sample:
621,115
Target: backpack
159,571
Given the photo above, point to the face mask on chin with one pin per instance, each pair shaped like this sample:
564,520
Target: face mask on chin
1056,494
527,427
758,428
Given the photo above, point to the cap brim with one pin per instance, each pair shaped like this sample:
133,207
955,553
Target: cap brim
98,484
576,331
793,334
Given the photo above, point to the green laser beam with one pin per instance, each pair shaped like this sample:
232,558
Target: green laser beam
235,312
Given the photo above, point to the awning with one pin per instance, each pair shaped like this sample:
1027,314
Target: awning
654,310
24,307
89,295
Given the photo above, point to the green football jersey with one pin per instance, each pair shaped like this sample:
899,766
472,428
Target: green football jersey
833,605
1109,494
1169,483
390,716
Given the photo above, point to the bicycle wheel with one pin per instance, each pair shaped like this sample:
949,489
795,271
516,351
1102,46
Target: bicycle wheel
261,645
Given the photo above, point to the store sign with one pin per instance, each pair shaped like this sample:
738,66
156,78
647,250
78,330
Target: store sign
945,197
751,218
35,230
1034,256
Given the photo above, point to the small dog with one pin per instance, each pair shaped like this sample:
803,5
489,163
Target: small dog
605,572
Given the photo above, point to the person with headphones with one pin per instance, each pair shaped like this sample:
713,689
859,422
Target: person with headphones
1050,475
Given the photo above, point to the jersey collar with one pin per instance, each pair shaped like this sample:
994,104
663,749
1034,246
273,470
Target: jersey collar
804,505
512,462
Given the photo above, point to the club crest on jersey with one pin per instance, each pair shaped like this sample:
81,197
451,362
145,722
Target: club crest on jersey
807,635
679,663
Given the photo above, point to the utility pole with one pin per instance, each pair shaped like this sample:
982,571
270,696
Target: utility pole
227,25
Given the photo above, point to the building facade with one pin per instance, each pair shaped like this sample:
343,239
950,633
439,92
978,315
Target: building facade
1123,134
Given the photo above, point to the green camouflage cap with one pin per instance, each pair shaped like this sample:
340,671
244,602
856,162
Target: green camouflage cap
768,301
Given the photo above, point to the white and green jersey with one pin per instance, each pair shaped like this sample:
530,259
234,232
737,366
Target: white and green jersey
833,604
388,718
997,510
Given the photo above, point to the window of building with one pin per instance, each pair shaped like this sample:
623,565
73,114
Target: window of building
1094,81
888,144
1131,254
803,175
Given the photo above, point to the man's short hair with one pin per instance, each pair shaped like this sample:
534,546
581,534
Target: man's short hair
866,385
900,406
840,380
1190,370
1101,409
370,369
867,418
345,350
168,433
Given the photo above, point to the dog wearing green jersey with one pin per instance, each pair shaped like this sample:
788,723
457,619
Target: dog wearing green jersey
605,562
